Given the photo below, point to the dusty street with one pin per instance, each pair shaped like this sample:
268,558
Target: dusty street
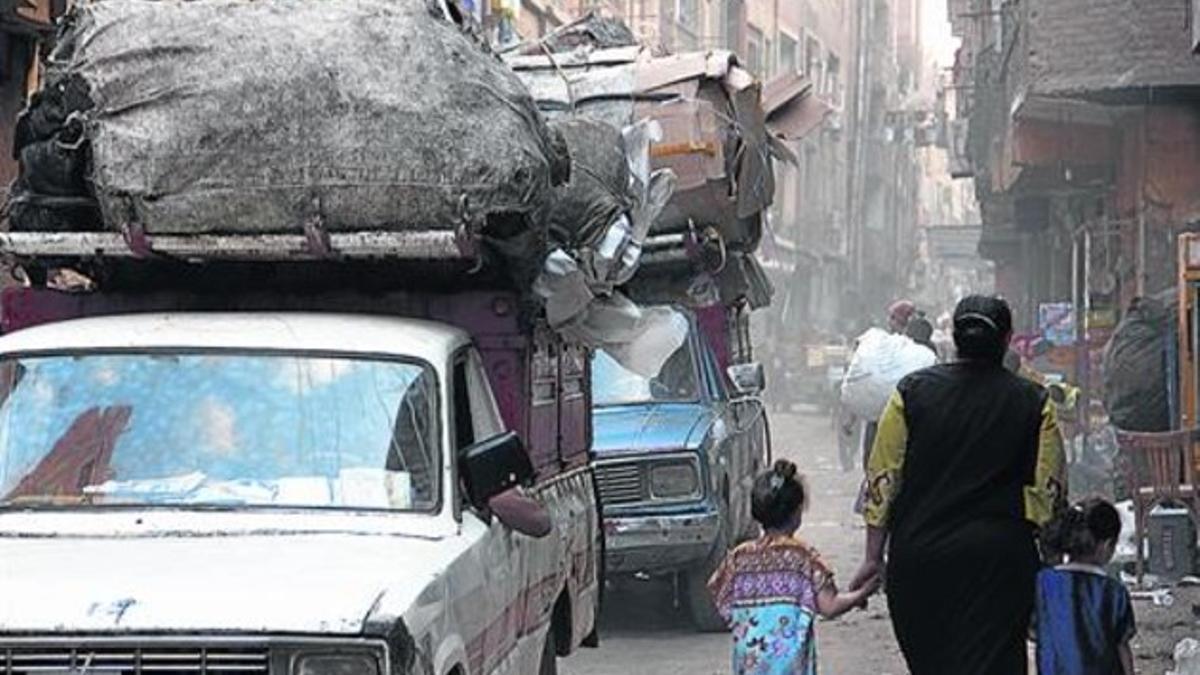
643,632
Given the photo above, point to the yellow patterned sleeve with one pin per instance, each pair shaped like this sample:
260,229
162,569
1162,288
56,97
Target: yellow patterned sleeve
1049,490
885,462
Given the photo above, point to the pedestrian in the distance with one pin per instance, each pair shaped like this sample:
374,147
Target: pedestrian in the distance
967,464
1084,619
920,331
771,590
899,314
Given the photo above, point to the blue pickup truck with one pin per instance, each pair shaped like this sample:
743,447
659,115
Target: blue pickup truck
676,454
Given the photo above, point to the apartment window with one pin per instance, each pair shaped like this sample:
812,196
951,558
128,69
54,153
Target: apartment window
813,62
812,178
754,50
789,53
833,79
768,70
732,23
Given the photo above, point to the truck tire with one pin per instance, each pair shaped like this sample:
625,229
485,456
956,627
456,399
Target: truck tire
549,662
694,588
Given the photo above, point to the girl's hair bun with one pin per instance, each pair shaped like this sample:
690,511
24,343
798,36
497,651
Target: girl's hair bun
777,494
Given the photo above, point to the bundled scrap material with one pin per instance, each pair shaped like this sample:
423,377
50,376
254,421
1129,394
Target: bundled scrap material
591,31
272,116
1135,378
710,110
716,137
877,366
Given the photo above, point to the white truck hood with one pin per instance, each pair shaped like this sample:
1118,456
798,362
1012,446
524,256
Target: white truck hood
286,583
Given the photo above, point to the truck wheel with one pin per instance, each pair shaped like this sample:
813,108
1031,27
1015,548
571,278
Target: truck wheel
694,587
549,663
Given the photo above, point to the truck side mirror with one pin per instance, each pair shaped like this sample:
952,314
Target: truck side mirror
749,379
491,467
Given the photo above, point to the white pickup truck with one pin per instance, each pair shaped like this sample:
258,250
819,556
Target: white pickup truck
264,492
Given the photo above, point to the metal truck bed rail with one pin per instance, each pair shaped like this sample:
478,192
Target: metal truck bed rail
423,245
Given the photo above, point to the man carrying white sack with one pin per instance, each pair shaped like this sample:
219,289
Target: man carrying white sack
881,359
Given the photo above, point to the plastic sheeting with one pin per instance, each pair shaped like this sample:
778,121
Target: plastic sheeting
598,222
240,116
1135,380
1187,657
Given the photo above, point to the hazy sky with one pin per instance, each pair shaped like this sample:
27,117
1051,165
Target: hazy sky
939,43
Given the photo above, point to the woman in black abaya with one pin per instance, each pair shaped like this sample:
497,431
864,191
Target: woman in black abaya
966,465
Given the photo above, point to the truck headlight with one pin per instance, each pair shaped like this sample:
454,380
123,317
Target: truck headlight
674,479
346,663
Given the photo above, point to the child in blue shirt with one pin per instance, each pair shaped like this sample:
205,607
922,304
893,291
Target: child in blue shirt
1084,618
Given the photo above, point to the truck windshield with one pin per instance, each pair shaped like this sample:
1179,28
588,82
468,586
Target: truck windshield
263,429
613,384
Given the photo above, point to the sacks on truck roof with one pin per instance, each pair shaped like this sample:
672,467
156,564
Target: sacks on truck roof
261,116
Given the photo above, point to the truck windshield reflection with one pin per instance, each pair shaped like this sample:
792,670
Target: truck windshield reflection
228,429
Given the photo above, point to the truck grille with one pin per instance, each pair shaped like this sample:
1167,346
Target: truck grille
110,659
621,483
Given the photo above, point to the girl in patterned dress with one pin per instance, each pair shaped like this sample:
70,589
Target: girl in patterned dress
771,590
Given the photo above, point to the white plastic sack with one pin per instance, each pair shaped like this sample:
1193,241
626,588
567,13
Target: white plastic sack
879,363
1187,657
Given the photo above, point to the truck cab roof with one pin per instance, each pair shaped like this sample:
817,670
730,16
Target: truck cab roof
291,331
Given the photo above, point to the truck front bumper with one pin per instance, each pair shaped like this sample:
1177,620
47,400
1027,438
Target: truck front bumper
655,544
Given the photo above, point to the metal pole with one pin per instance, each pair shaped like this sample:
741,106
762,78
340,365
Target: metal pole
1077,298
1082,345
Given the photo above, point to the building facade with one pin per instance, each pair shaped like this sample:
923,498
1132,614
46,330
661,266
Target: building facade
1084,140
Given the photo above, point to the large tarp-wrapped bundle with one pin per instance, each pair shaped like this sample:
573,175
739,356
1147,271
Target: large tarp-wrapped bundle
1135,379
262,116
